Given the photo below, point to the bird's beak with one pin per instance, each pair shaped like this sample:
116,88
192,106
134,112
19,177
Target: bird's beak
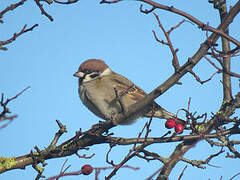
78,74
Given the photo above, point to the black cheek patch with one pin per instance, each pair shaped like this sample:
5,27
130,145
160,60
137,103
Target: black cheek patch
94,75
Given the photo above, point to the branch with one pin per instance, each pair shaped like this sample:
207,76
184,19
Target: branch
67,2
180,176
236,154
144,105
129,156
224,71
183,147
134,151
231,53
5,118
62,129
200,24
146,11
175,61
10,8
110,2
43,11
153,155
234,176
227,89
69,147
16,35
79,172
6,110
198,163
204,81
93,136
153,140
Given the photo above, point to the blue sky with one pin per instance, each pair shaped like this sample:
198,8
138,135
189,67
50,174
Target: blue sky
47,57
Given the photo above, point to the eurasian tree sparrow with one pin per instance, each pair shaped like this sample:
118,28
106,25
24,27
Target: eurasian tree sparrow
107,93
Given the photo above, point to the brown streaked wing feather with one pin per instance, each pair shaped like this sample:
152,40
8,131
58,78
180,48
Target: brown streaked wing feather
125,86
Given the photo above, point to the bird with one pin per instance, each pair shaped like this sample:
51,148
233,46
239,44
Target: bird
107,93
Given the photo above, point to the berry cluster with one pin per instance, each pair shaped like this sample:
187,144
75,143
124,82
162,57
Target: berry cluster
171,123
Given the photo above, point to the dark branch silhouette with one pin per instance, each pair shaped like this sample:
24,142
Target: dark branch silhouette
196,127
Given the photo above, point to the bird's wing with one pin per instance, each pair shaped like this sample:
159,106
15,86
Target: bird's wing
126,87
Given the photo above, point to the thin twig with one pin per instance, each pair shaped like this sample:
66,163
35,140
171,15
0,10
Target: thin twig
43,11
175,60
234,176
62,129
67,2
10,8
180,176
109,2
6,110
16,35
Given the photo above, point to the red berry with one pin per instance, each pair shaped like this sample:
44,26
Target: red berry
170,123
178,128
87,169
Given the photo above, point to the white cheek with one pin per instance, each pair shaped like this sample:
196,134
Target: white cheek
87,78
106,72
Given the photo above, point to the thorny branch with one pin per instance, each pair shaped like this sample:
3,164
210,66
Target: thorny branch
93,136
227,92
172,9
199,163
43,11
62,129
203,81
97,170
16,35
10,8
14,6
107,156
199,131
224,70
231,53
185,68
175,61
234,176
153,140
233,74
5,111
110,2
146,11
66,2
134,150
180,176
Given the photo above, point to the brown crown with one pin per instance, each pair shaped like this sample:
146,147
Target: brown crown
93,64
